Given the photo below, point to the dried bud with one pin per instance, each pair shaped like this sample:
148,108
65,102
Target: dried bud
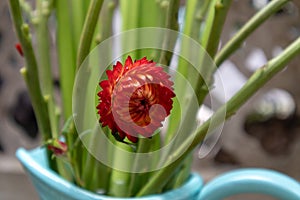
59,148
19,49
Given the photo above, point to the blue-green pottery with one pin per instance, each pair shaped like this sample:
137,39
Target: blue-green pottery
50,186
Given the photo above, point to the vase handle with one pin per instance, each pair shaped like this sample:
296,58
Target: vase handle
259,181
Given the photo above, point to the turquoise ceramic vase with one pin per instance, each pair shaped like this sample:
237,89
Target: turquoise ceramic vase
50,185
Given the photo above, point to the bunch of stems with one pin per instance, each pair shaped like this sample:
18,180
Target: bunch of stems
80,25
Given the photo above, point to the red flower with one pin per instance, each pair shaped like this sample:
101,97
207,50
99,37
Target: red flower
136,99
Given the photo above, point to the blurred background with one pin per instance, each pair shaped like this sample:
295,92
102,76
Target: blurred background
264,133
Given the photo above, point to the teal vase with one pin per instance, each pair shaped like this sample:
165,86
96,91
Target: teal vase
49,185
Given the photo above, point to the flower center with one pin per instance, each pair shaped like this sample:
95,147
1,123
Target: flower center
140,104
144,104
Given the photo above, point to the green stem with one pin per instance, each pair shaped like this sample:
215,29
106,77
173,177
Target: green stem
102,176
40,109
185,172
130,13
181,174
120,180
221,9
85,160
105,21
102,171
78,12
256,81
218,15
30,73
66,55
172,7
26,8
137,179
44,60
89,172
147,19
247,29
89,169
78,159
208,23
235,42
195,11
70,134
46,78
88,31
194,17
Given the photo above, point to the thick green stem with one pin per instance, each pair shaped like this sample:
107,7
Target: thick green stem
130,12
181,174
194,17
78,12
136,179
138,14
221,9
88,31
214,30
145,145
120,181
185,172
44,60
208,23
89,165
256,81
255,22
172,7
66,55
105,22
102,176
43,46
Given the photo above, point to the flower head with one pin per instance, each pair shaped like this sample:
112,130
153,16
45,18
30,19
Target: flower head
136,99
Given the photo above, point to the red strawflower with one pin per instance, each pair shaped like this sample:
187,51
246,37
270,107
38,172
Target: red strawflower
136,99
